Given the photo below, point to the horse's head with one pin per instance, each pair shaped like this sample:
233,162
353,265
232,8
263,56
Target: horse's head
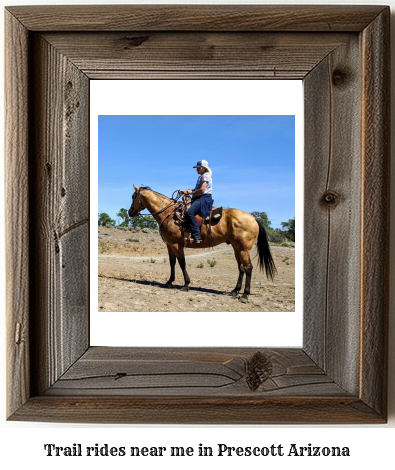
137,204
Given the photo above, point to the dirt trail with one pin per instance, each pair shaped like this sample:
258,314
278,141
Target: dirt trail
160,258
133,268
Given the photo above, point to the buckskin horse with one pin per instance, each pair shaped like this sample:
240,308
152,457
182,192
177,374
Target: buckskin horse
236,227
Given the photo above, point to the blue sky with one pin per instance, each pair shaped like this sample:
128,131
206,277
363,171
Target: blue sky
252,158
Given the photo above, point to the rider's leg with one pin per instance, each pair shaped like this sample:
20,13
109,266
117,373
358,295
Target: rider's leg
192,221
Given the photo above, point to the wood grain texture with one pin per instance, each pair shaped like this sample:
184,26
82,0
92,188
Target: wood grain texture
198,410
196,17
317,114
60,179
332,214
191,372
376,211
195,55
17,213
339,376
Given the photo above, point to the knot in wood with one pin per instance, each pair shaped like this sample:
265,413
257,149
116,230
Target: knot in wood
330,198
259,369
339,77
135,41
18,334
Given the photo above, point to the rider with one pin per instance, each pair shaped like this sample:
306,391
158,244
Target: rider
202,200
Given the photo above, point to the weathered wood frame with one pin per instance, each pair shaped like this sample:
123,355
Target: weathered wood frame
342,54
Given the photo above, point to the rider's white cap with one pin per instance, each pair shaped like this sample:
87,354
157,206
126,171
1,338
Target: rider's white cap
200,163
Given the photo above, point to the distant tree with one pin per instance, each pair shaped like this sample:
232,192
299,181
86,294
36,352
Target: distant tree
273,234
148,222
138,222
289,229
276,235
263,218
134,222
105,220
123,214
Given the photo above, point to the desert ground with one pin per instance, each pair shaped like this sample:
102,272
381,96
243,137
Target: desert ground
133,268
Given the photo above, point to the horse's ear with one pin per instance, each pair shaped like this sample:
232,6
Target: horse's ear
135,187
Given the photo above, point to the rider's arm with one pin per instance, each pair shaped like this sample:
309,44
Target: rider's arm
199,191
195,192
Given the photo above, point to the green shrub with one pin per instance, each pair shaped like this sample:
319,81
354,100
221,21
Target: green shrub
274,236
105,220
212,262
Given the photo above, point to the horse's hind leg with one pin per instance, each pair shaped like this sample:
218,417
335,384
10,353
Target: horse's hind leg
246,266
172,260
237,289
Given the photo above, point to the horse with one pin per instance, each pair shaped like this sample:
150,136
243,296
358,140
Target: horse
236,227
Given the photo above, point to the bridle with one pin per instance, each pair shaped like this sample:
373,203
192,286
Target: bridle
172,200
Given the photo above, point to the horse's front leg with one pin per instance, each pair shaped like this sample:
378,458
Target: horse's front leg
182,263
172,260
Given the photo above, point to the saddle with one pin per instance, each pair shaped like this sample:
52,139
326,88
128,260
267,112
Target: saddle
211,220
181,208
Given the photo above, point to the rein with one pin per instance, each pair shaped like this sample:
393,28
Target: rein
172,201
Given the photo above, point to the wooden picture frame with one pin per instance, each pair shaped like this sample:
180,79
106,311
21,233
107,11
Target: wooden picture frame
340,374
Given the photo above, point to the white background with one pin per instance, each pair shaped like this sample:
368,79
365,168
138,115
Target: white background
21,444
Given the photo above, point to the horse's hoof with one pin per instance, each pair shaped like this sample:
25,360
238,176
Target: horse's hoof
234,293
244,299
169,285
184,289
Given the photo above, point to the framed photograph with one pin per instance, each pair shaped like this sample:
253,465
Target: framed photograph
254,147
339,374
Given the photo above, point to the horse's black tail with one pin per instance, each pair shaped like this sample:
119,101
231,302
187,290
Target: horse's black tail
264,254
